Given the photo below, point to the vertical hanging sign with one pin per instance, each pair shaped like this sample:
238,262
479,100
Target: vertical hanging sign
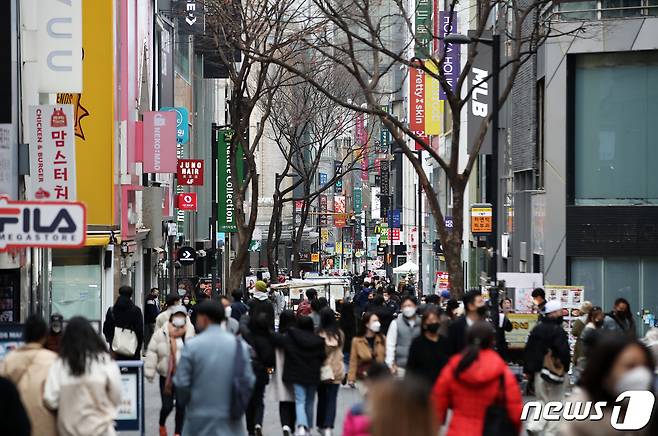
432,100
417,103
324,206
339,210
451,66
358,200
423,28
227,191
52,153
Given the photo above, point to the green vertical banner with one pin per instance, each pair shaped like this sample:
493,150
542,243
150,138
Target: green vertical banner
226,191
358,200
423,28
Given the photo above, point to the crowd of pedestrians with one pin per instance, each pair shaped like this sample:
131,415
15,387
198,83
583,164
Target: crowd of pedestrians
419,366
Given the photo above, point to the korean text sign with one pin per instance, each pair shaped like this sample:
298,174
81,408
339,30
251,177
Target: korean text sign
52,153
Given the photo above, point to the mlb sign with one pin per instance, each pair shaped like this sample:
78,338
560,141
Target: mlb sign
187,201
42,224
190,172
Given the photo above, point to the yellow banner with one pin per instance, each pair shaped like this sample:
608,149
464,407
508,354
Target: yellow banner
432,103
94,113
522,323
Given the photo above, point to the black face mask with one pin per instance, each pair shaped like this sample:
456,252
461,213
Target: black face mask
432,328
598,323
482,311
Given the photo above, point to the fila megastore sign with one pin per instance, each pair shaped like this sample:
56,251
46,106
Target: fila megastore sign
42,224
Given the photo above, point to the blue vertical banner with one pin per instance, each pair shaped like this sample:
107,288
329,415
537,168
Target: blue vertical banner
393,218
182,123
323,179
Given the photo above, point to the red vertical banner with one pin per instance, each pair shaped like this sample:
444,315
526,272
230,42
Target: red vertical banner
364,162
417,103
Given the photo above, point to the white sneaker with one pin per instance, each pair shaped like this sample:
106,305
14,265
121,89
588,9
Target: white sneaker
301,431
286,431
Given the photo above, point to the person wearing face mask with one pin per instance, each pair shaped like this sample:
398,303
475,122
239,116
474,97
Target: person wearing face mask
621,318
55,333
547,359
401,333
475,310
187,304
615,364
367,347
162,356
428,353
229,323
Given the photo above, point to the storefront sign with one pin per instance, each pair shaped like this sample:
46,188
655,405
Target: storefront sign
339,209
451,66
417,103
159,142
442,280
364,161
479,80
393,218
358,200
393,234
324,235
324,206
338,185
187,201
190,172
42,224
299,205
59,42
11,337
186,255
360,135
315,257
423,28
8,164
52,153
226,219
322,179
182,123
522,324
481,218
434,112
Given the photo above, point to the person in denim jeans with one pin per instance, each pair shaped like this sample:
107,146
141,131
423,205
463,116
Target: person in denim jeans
304,356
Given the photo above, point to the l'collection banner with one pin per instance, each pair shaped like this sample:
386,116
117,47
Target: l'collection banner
226,189
52,153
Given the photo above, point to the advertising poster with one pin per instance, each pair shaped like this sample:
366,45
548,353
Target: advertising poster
522,324
452,62
226,219
339,209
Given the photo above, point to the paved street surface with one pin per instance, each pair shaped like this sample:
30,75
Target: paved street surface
271,425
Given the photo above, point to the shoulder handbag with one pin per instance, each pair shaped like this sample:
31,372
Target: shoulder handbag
496,418
124,341
240,388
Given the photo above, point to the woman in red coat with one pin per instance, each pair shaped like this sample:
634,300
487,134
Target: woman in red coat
470,383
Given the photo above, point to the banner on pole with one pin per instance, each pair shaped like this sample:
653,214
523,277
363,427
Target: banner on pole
226,196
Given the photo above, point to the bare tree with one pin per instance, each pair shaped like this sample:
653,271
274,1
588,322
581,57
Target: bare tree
305,125
234,31
362,38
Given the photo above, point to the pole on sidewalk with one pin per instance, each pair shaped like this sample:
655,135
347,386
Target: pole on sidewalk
420,230
213,214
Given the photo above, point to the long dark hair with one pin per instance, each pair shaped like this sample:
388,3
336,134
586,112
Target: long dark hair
80,345
480,336
348,319
363,325
286,320
601,356
328,324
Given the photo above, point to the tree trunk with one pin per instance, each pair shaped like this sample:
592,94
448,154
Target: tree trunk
297,242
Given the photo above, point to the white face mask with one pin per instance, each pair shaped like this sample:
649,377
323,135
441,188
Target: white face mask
227,311
637,379
178,322
375,326
408,311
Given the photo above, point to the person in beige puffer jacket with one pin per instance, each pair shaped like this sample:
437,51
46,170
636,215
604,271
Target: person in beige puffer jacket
27,367
332,372
162,356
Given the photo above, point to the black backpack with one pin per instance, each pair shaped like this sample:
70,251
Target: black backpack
240,388
496,419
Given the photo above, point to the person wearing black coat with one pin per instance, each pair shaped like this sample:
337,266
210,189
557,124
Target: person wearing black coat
13,417
476,310
151,312
238,308
304,356
259,337
124,314
504,325
429,352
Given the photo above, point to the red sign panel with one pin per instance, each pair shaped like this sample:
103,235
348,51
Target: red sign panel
187,201
417,103
190,172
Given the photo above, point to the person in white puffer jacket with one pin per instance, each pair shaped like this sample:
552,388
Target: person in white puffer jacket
162,356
